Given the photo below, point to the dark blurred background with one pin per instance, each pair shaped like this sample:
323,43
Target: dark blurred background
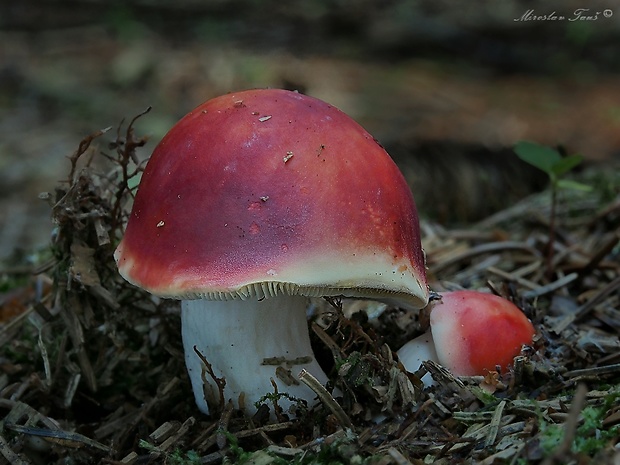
446,87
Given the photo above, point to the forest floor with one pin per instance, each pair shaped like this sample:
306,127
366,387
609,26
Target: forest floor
91,369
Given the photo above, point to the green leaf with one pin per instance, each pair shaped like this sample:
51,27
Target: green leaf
566,164
574,185
540,156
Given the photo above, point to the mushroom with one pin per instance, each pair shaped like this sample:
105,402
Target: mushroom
253,202
471,333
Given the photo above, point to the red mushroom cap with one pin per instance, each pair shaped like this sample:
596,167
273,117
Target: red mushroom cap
268,192
475,331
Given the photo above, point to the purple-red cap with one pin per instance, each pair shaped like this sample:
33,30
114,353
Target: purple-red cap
267,192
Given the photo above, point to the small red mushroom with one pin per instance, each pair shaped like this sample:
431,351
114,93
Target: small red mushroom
471,333
252,202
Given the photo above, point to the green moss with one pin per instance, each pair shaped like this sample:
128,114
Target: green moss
591,436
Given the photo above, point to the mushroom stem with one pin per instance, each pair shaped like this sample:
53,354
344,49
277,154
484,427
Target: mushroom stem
416,351
245,341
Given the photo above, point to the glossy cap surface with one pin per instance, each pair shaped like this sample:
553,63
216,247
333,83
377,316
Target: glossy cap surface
475,331
265,192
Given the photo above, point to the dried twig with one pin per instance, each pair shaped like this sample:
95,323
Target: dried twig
219,382
494,425
492,247
570,427
326,398
593,371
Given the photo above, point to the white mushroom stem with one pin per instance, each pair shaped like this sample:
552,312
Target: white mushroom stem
416,351
245,341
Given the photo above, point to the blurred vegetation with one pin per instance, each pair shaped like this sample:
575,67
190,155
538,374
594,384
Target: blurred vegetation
438,84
